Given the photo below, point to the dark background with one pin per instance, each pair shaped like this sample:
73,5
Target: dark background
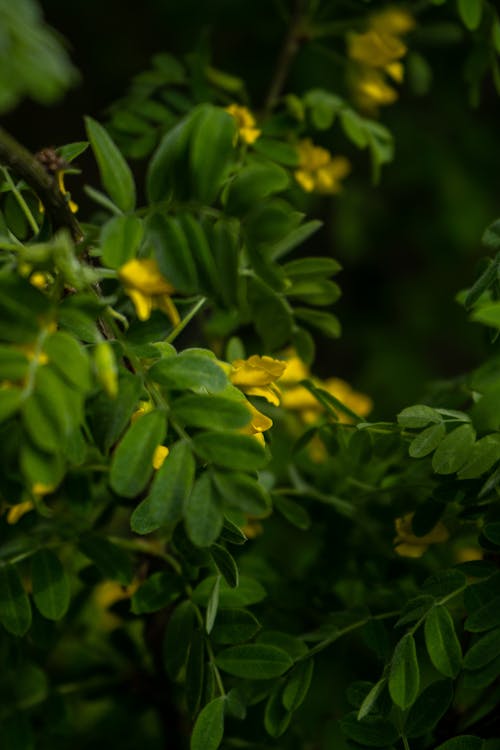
407,245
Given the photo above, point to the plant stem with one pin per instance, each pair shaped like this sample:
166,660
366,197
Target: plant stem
187,319
290,47
22,203
23,163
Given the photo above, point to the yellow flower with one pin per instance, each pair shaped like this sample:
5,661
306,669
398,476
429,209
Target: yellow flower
376,49
159,456
148,289
297,397
392,21
371,89
40,489
60,181
16,512
143,408
377,53
258,424
409,545
256,376
32,353
245,122
318,170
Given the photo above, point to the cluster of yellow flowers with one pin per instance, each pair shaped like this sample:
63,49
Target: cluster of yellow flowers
377,53
319,171
245,121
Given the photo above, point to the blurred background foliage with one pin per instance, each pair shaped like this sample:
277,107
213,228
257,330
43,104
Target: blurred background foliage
408,244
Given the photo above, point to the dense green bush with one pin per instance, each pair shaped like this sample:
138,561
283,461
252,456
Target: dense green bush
204,542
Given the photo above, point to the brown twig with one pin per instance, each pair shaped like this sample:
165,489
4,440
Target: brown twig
25,165
296,35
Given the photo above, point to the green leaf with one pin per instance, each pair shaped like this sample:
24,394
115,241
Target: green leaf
114,562
39,466
10,401
454,450
314,291
114,170
488,314
169,492
234,626
212,606
132,463
277,151
485,617
464,742
478,679
430,706
211,411
166,171
298,684
442,642
492,532
70,151
15,609
371,698
427,441
110,416
311,267
172,252
485,453
121,238
415,417
372,731
249,591
211,152
177,640
292,645
209,727
159,590
68,357
266,305
483,651
292,511
294,238
254,662
326,323
50,585
404,676
470,12
243,492
226,564
254,183
229,449
190,371
202,513
276,717
201,253
225,244
486,411
195,672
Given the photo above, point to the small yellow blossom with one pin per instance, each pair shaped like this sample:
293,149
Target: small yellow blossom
256,376
148,289
468,554
247,130
159,456
410,545
40,489
318,170
143,408
252,528
16,512
39,280
32,353
105,595
375,49
60,182
372,90
258,424
392,20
